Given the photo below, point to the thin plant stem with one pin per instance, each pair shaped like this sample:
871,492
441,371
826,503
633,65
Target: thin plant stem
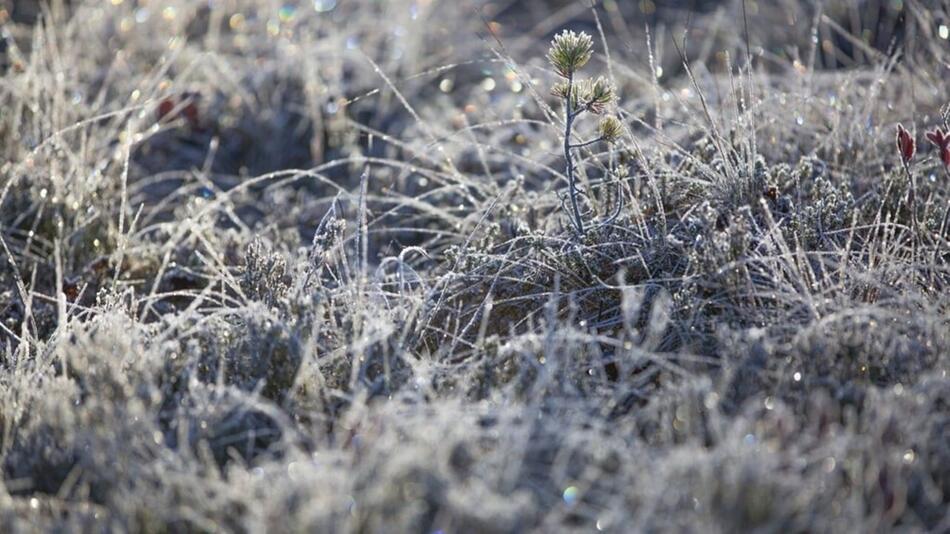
913,209
570,115
588,143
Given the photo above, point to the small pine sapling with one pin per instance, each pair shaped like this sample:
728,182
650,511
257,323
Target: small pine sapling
569,52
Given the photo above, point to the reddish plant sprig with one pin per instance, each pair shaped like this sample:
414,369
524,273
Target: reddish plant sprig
941,140
906,146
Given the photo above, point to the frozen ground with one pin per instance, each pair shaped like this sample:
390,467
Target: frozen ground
280,266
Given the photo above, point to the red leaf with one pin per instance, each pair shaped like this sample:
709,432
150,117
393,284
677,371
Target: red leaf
165,107
941,140
71,289
191,112
905,144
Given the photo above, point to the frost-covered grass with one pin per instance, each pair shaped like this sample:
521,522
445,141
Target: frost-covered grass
278,266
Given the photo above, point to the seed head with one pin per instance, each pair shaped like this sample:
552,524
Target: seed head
561,90
596,95
609,129
570,51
